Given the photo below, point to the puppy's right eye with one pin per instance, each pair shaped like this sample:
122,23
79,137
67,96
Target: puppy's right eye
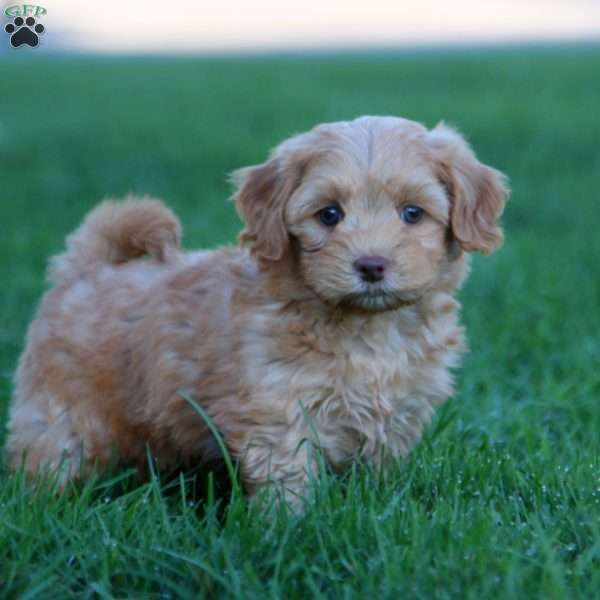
330,216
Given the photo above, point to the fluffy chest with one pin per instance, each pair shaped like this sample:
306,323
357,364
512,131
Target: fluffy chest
360,388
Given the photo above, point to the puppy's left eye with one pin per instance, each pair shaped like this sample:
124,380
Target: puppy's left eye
411,214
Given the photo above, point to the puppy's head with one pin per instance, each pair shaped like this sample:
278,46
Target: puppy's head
373,213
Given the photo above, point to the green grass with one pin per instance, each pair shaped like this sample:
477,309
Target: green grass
502,497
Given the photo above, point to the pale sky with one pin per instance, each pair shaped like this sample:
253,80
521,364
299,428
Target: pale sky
188,26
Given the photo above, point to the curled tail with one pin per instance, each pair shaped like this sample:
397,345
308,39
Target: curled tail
116,232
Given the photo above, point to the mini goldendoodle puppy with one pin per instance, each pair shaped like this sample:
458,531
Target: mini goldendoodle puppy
337,328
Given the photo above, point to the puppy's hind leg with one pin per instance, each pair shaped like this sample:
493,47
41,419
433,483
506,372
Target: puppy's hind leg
42,438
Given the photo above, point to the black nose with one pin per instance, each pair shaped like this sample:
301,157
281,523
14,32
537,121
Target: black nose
371,268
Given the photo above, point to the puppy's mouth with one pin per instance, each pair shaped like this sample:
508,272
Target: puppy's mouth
377,299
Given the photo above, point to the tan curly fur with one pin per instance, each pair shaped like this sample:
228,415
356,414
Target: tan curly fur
280,341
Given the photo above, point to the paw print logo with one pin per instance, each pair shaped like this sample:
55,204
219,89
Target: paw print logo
24,31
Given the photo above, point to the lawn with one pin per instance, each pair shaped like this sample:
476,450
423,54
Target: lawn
502,497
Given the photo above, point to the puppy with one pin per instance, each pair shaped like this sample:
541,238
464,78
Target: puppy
334,327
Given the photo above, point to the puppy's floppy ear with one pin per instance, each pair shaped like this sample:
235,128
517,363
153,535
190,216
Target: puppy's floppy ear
477,192
261,196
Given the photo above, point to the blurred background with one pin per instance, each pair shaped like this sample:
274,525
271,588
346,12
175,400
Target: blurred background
189,26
